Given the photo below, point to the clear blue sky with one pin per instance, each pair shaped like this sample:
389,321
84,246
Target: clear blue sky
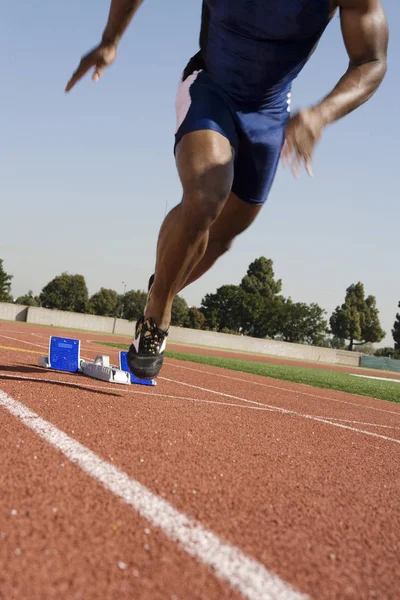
85,177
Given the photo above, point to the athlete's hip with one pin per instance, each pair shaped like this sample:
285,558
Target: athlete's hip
240,95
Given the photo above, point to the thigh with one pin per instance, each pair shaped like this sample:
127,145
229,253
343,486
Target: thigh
204,161
261,137
205,138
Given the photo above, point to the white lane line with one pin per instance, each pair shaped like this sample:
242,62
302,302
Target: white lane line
285,410
376,378
243,573
359,422
24,342
173,397
129,391
259,405
284,389
43,337
231,378
186,399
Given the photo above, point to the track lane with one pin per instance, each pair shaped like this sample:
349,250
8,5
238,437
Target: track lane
62,535
280,479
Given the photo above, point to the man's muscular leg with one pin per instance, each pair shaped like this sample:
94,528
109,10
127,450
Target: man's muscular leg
205,166
235,217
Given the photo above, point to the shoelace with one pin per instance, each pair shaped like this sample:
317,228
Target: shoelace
150,341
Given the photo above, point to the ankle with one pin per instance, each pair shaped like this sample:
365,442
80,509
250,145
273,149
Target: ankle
160,323
161,317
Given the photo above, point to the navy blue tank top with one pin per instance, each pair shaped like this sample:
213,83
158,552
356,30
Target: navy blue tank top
254,49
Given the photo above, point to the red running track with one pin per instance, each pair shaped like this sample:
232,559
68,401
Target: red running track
303,482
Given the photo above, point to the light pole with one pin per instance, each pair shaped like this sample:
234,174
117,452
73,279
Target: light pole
123,296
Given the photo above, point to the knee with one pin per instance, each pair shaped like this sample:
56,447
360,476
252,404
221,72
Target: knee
202,207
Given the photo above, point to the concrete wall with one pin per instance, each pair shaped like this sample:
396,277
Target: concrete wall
271,347
12,312
70,320
352,359
67,320
123,327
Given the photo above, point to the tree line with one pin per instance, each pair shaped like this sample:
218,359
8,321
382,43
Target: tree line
255,307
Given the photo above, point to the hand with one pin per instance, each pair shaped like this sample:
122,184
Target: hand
99,58
302,133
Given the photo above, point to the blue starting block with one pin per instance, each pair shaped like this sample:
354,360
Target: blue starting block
65,355
123,365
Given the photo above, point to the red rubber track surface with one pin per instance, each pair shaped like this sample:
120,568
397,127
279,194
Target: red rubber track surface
305,481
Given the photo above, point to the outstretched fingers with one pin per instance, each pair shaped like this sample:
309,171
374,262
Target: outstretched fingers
86,63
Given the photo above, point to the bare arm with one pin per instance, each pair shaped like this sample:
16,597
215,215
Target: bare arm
365,34
120,15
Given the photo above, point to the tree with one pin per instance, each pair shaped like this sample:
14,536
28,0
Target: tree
28,299
195,319
337,343
370,325
5,284
256,308
366,348
260,279
261,302
357,320
302,323
133,304
388,353
179,312
224,309
104,303
261,315
396,331
66,292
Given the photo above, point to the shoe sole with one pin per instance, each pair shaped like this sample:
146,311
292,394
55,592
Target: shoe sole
144,367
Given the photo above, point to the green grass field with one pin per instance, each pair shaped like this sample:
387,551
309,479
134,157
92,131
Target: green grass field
320,378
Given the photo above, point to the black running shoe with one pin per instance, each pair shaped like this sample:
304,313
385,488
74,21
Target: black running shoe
146,353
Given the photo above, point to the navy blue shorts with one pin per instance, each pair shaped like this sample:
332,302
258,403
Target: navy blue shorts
257,137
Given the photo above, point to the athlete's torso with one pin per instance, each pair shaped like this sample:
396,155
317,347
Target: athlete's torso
254,49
